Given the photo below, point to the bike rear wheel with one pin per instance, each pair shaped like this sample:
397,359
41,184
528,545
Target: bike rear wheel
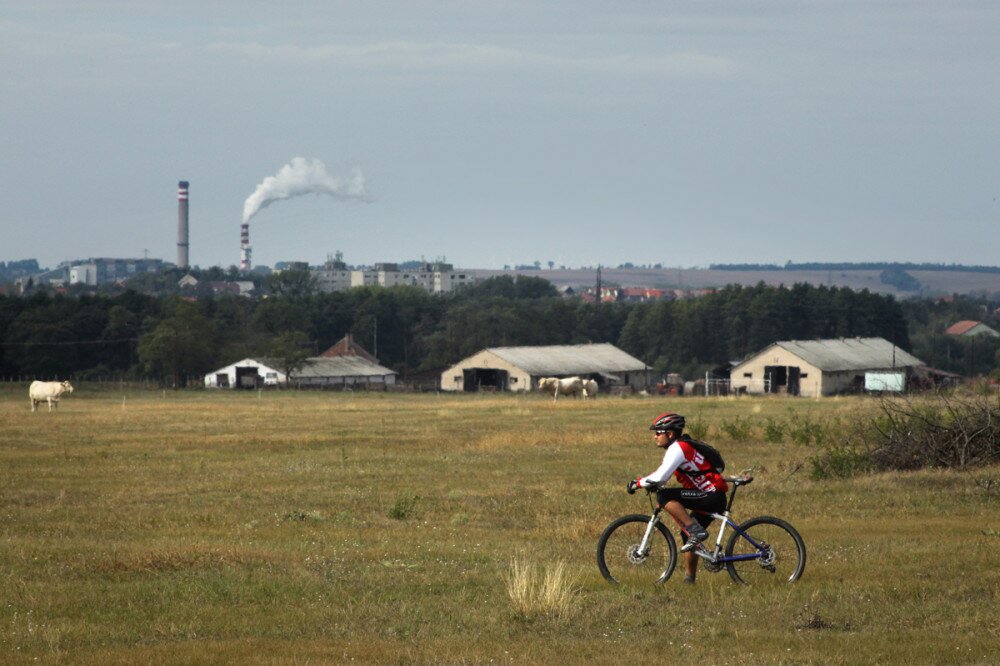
782,553
618,555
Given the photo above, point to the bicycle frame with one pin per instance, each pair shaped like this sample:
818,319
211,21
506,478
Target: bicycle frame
715,556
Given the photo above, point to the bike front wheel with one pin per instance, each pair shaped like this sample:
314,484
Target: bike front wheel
623,562
778,550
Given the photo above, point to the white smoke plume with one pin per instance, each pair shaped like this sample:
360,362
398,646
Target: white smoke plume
300,177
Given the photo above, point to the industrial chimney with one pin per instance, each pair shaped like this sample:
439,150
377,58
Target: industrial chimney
244,248
182,224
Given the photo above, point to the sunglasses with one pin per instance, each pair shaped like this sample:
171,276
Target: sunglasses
661,432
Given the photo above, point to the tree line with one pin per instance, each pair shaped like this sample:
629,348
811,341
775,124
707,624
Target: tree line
172,337
856,266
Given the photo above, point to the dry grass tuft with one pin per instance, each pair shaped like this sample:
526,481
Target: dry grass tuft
548,593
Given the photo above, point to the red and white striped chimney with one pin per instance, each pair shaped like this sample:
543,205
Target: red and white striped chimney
245,248
182,224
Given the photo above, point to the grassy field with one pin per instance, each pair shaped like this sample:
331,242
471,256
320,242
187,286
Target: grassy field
193,527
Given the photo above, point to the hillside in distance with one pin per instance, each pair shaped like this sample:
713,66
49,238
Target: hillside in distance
931,282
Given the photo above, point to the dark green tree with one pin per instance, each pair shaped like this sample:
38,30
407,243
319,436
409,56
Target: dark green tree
290,349
179,346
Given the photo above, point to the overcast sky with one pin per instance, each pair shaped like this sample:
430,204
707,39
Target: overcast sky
492,133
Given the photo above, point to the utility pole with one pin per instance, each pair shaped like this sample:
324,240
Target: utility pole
598,287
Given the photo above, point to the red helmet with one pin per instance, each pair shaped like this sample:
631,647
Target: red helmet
668,421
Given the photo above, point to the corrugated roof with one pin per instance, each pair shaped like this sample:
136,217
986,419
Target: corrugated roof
337,366
850,354
569,359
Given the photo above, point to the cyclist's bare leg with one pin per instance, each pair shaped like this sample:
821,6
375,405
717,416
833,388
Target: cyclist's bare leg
683,518
679,513
690,565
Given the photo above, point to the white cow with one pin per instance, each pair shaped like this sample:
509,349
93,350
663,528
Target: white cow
589,388
565,386
47,392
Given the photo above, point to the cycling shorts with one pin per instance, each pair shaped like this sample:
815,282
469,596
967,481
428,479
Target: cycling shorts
701,502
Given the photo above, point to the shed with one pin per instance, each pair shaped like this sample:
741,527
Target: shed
519,368
818,367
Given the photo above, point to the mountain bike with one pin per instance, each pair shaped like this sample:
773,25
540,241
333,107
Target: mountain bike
638,549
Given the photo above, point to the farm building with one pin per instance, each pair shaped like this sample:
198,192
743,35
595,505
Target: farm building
318,371
343,371
519,368
248,373
819,367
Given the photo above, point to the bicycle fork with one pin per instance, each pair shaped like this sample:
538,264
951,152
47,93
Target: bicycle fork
643,550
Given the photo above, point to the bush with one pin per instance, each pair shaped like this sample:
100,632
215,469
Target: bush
697,429
774,430
942,431
840,462
739,429
403,507
806,431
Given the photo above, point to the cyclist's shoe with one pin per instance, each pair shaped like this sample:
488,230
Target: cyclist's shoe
689,580
695,535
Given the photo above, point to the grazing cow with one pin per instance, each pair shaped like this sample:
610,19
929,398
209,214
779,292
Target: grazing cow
47,392
589,388
565,386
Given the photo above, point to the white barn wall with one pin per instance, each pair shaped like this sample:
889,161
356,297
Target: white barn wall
452,379
811,385
211,379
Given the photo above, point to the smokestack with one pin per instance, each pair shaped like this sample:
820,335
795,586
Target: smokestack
244,248
182,224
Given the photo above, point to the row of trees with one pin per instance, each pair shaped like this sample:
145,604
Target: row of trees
856,266
411,331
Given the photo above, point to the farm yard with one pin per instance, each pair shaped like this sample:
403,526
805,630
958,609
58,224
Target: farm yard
192,526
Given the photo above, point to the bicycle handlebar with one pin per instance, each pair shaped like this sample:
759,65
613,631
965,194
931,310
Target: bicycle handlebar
741,480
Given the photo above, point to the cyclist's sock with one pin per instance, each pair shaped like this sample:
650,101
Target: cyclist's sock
696,531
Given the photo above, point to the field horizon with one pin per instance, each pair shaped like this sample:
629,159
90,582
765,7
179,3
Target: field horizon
199,527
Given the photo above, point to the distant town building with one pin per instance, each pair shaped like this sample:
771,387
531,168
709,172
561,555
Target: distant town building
436,277
104,270
968,329
628,295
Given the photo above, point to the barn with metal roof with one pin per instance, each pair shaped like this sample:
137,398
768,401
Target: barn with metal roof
819,367
317,371
519,368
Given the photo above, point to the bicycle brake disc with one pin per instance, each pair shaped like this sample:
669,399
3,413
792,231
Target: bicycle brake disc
636,556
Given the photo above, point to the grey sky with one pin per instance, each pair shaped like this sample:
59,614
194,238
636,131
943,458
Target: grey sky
505,132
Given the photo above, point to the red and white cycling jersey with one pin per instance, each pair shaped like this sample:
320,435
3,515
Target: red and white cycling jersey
689,468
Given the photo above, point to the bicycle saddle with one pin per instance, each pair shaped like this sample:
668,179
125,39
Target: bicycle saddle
740,480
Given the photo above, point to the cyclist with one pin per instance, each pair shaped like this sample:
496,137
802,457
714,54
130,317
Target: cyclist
702,488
